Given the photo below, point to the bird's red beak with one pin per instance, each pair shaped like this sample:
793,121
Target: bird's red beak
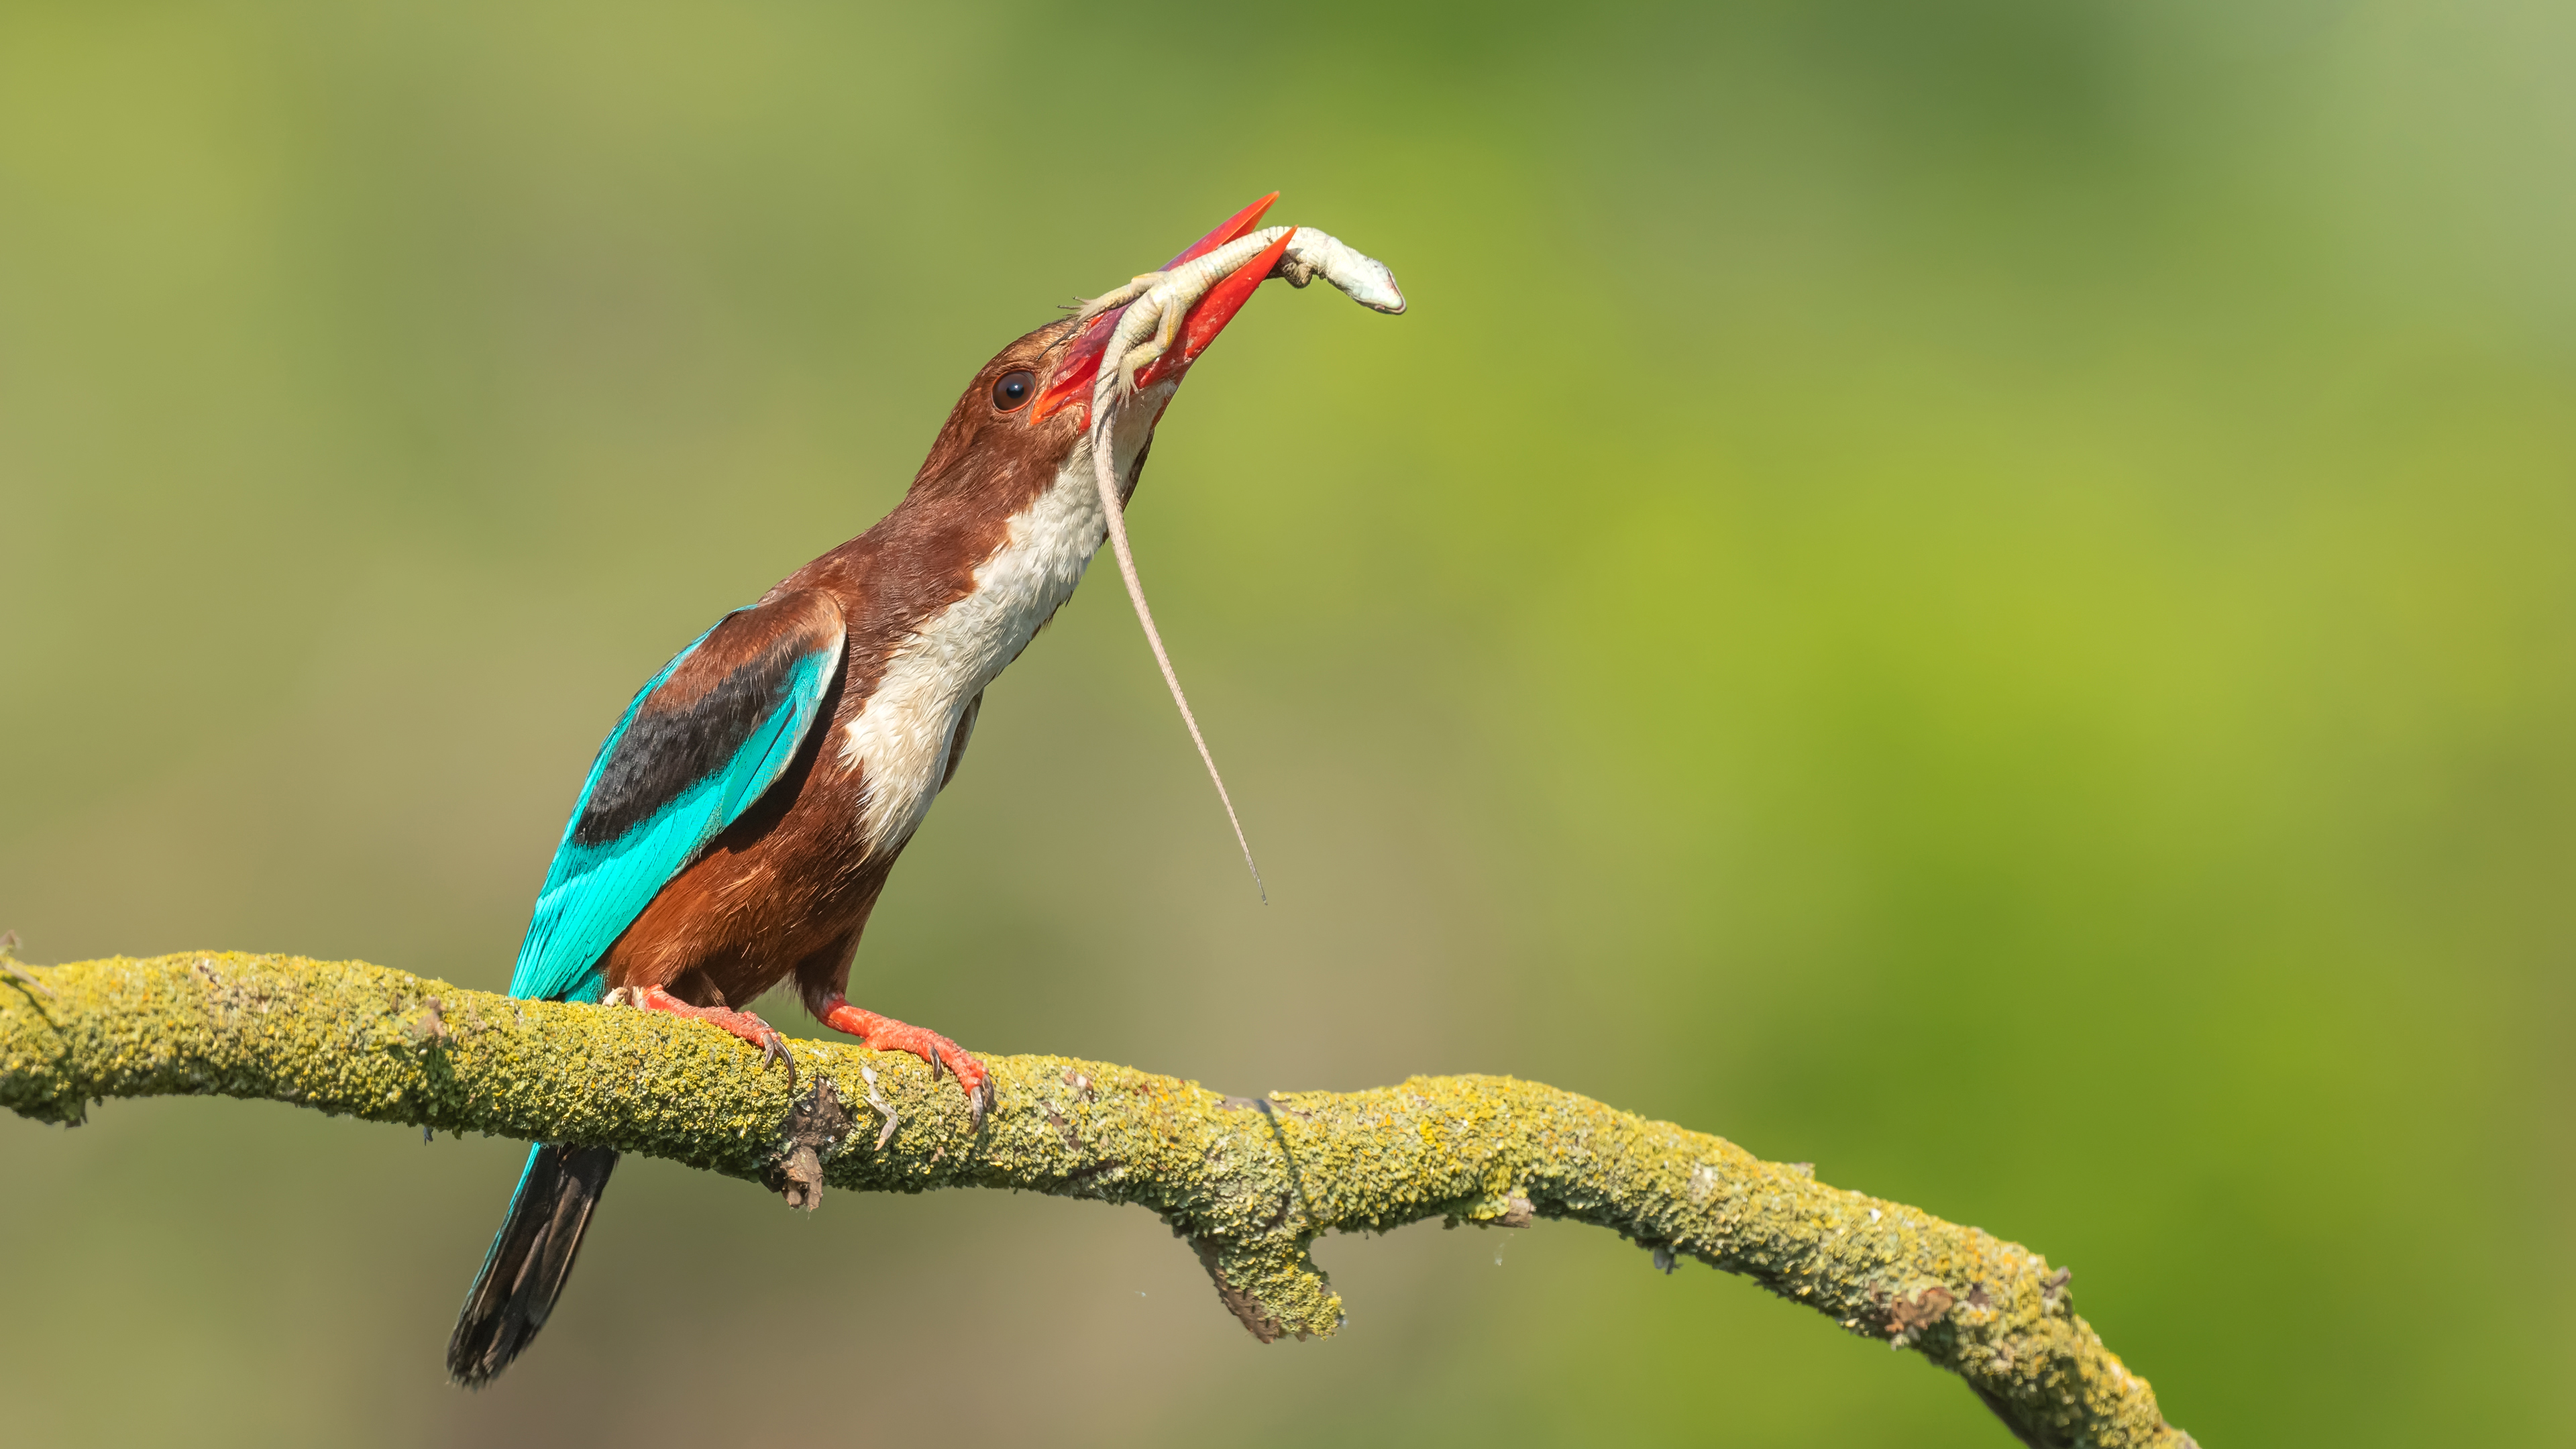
1072,383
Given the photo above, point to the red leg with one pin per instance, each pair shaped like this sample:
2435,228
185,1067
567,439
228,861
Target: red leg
885,1034
741,1023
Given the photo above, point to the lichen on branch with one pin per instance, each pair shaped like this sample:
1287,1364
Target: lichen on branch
1248,1182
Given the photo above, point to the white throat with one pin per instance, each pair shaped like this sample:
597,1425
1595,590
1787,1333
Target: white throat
902,736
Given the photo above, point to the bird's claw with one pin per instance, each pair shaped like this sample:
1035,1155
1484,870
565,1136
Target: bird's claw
884,1034
773,1047
742,1024
971,1075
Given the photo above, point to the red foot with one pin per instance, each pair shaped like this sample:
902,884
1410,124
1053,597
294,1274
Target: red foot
741,1023
885,1034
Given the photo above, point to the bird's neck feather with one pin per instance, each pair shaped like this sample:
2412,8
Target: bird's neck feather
898,741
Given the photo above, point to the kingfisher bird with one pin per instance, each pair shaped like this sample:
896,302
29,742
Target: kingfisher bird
739,822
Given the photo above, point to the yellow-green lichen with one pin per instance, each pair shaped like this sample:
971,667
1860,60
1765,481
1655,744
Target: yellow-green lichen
1250,1183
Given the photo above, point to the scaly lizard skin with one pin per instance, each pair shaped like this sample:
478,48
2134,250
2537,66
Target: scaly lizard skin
1156,302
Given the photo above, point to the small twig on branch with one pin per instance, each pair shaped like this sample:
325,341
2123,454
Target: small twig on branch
1248,1182
8,948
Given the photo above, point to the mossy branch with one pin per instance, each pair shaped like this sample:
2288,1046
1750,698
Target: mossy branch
1248,1183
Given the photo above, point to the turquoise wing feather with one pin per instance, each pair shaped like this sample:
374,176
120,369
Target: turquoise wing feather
696,748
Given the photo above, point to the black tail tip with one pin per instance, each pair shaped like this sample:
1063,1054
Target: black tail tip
478,1351
524,1273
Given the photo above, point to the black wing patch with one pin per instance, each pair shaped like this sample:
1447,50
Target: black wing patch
697,721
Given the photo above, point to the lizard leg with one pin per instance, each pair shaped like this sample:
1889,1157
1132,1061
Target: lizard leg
1119,296
1167,329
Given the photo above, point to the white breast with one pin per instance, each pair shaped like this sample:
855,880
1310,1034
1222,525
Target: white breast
900,739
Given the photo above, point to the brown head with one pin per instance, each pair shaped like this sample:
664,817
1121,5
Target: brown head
1029,409
1025,428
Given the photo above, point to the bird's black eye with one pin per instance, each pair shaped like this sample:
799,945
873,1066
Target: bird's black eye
1014,389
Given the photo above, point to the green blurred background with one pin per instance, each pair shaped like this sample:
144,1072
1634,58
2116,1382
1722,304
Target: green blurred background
1980,593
